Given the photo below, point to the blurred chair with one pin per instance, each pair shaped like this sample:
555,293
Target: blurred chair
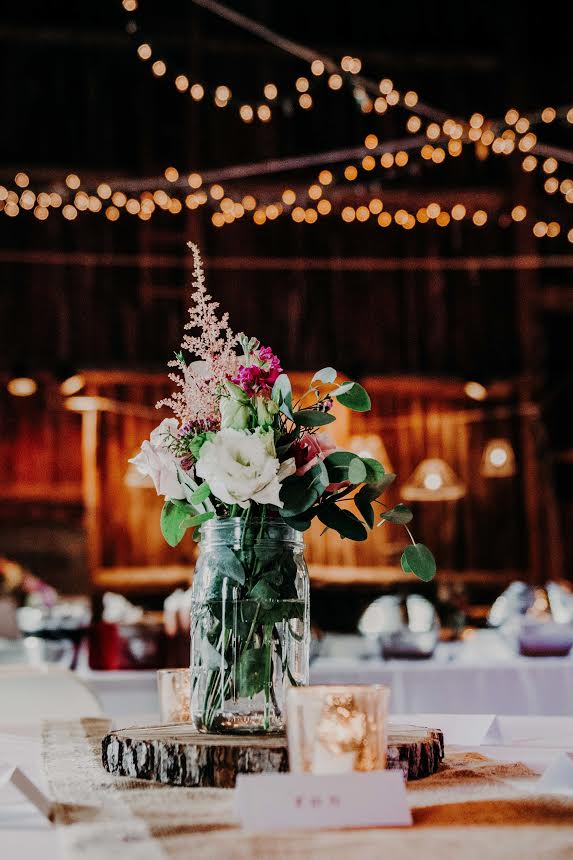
29,695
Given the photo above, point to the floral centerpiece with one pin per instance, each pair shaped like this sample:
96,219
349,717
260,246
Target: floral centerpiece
248,469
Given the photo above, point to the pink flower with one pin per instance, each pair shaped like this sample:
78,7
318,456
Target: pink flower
259,377
310,449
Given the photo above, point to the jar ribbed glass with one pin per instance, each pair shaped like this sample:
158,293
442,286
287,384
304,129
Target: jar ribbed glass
250,624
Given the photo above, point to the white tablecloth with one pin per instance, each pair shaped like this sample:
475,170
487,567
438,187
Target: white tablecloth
479,676
26,835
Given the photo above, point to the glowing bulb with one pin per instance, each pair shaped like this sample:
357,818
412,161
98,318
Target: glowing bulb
301,84
194,180
288,196
270,92
497,457
529,163
433,131
476,120
171,174
348,214
371,141
314,192
511,116
433,210
325,177
72,385
401,158
387,159
368,162
380,105
22,180
443,219
104,191
218,219
550,165
317,67
411,98
350,172
376,206
422,215
475,390
70,212
384,219
158,68
324,206
264,113
548,114
553,229
310,216
73,181
217,192
297,214
414,123
433,481
540,229
41,213
22,386
197,92
362,213
385,86
305,101
144,51
249,202
112,213
119,198
479,217
335,82
518,213
182,83
133,206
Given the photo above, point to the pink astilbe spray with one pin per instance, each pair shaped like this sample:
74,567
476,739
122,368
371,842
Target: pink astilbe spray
213,351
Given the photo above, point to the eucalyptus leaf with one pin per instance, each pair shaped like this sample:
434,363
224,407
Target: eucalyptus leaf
342,389
355,398
174,521
221,564
251,671
300,492
344,522
199,519
326,375
200,494
418,559
373,491
401,515
300,523
363,504
282,395
312,418
356,471
263,591
374,470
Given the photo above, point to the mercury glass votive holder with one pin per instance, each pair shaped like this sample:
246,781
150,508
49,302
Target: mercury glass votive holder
174,688
337,729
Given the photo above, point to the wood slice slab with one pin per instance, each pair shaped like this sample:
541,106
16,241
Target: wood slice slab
180,755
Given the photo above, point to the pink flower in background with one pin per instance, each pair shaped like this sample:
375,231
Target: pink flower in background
310,448
260,377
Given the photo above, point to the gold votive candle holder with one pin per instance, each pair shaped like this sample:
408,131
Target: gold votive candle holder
174,688
337,728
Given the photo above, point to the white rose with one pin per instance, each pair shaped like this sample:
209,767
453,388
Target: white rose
243,467
157,461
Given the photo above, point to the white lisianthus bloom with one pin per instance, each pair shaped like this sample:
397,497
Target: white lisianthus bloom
242,467
156,460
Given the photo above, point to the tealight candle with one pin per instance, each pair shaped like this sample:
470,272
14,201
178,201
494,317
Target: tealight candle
174,687
335,729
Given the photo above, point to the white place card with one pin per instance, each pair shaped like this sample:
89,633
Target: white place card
305,801
14,776
558,776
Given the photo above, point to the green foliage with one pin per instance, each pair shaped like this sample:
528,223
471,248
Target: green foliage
364,506
418,559
201,493
174,521
344,522
282,395
198,441
301,522
300,492
354,397
401,515
326,375
251,671
356,471
374,470
338,466
312,418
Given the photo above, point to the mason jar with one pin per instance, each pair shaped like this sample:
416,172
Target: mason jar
250,624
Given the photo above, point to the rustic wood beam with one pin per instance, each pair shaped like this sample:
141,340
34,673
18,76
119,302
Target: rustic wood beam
520,262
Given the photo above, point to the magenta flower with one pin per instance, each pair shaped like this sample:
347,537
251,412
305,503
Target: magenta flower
259,378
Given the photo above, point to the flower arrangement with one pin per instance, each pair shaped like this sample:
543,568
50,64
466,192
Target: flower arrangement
248,469
239,446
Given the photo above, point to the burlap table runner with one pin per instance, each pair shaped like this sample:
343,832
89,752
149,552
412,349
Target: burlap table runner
469,809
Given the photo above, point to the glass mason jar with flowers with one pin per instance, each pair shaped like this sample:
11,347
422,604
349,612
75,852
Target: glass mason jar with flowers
248,470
